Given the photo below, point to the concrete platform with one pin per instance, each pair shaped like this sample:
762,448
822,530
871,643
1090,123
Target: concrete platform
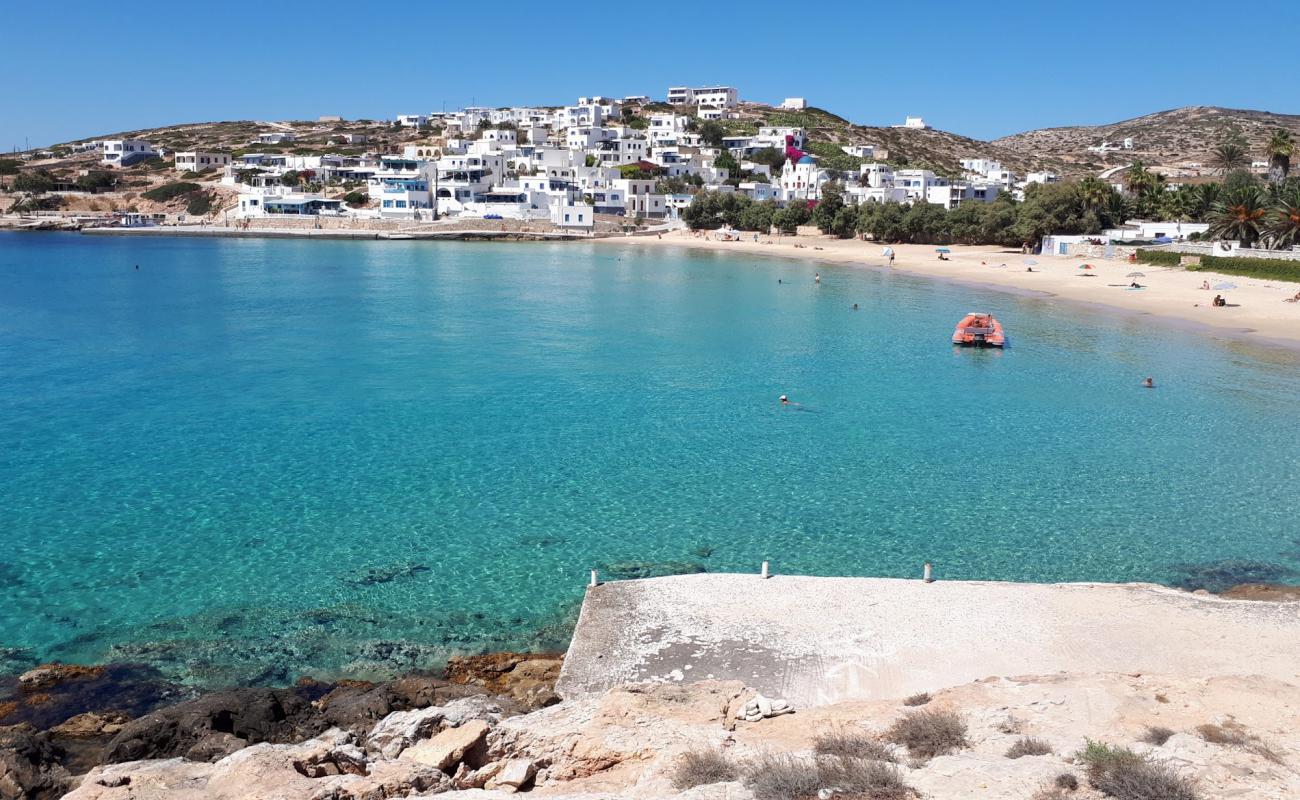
817,641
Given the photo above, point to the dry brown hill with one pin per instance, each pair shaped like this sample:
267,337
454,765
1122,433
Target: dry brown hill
1167,138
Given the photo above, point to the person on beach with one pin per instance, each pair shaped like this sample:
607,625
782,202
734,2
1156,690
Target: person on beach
1149,383
1205,285
891,258
1219,301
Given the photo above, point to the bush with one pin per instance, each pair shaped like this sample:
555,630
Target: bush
1279,269
848,743
782,777
170,191
1233,734
1156,735
927,734
1028,746
34,182
705,767
96,179
1123,774
1067,781
9,166
199,205
864,778
917,699
1160,258
356,199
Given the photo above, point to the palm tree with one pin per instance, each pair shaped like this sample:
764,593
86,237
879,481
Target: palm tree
1136,177
1229,156
1094,192
1280,149
1240,214
1283,229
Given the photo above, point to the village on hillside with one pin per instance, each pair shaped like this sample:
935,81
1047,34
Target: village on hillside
601,165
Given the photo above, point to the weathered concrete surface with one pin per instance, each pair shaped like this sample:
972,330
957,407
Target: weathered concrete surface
816,641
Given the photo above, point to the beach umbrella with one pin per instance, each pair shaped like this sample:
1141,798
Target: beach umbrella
1223,287
888,251
1136,275
942,250
1085,266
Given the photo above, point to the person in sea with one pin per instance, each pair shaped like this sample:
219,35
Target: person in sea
785,401
817,277
1149,383
891,258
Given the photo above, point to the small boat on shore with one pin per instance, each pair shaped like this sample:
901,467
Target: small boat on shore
979,330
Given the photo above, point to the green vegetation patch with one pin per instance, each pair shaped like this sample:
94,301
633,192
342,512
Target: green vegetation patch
170,191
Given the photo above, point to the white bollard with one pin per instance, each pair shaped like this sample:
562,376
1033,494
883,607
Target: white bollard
593,579
929,573
764,573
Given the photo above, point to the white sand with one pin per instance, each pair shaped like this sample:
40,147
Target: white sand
1257,306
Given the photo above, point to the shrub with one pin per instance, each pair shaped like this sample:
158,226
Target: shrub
1160,258
200,204
864,778
1233,734
96,179
1028,746
927,734
1279,269
1125,775
847,743
1156,735
1066,780
782,777
701,768
917,699
169,191
9,166
356,199
35,182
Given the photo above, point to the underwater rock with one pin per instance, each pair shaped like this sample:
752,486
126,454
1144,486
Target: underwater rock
634,570
377,575
1217,576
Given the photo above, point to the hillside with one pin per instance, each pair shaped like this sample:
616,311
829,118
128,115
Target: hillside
1175,138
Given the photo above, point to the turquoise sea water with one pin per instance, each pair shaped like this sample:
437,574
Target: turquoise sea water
249,460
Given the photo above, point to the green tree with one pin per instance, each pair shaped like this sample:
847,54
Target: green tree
728,162
711,132
291,178
96,179
9,166
590,160
1229,155
788,219
758,216
771,156
1280,148
882,221
926,223
830,205
1239,214
1095,193
34,182
1283,222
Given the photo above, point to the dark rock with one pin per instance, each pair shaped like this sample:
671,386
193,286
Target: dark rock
253,715
377,575
1218,576
633,570
29,766
214,747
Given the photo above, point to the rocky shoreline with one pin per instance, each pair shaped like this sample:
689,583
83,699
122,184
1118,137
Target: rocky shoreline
59,721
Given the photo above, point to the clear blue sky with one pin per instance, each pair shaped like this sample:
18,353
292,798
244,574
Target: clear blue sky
79,69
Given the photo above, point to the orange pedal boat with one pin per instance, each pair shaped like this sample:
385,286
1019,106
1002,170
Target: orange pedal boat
979,330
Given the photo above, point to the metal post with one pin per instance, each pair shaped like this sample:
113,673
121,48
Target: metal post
929,573
593,579
765,573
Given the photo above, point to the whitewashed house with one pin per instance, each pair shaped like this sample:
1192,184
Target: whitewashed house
124,152
197,161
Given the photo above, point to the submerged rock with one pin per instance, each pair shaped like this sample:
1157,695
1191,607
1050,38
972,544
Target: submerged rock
377,575
635,570
1218,576
48,675
526,677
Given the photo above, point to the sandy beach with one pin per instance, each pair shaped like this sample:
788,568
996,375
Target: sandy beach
1255,307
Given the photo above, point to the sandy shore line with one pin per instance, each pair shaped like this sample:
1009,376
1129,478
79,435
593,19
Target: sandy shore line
1256,308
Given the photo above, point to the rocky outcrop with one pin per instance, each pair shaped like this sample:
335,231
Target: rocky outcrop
528,678
47,675
29,766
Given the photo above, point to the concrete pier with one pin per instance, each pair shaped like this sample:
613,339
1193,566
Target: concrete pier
817,641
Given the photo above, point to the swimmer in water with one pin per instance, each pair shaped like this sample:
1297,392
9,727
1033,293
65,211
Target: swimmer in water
855,306
817,277
1149,383
785,401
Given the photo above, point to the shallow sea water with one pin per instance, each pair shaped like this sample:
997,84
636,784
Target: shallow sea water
254,459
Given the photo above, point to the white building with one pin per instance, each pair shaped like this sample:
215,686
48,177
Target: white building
794,104
917,123
720,97
402,188
197,161
802,180
277,202
952,195
413,120
859,150
277,137
124,152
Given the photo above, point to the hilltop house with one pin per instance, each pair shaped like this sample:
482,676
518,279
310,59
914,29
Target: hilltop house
197,161
125,152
